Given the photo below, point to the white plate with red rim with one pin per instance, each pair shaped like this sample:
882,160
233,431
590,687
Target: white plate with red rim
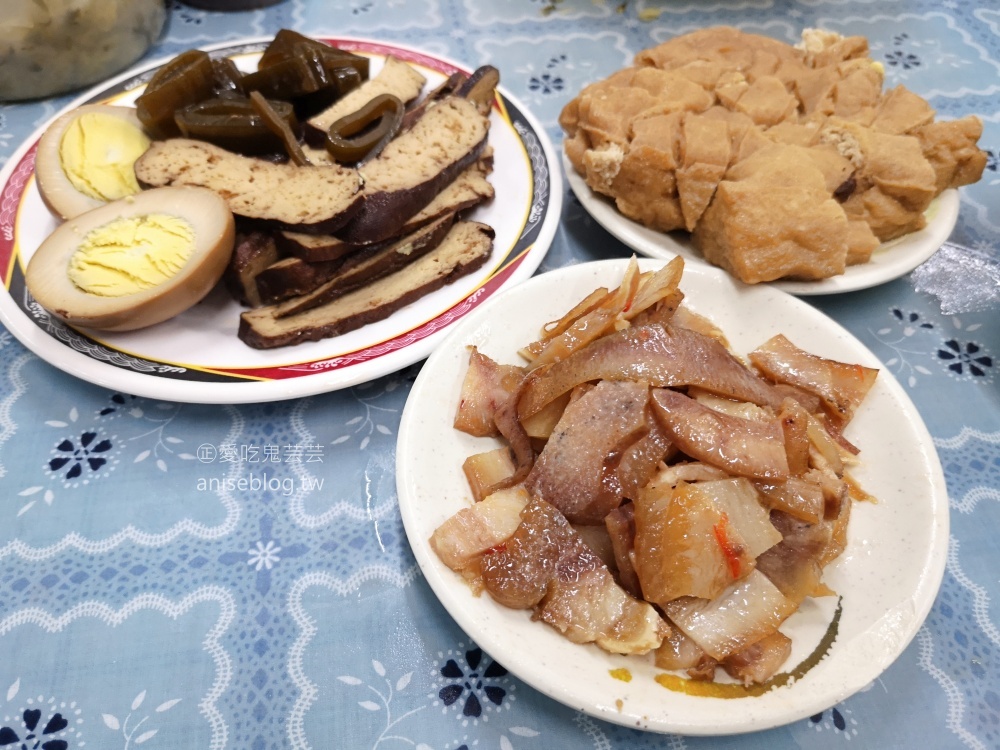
886,578
196,356
890,261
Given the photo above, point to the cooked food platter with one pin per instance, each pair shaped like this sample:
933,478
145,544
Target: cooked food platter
882,584
196,355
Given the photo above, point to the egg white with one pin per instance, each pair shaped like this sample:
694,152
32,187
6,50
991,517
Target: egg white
48,281
56,189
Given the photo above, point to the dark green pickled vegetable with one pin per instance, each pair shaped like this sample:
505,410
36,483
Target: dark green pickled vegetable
175,66
347,79
297,76
363,134
235,124
187,79
302,75
277,124
288,79
288,43
228,79
309,73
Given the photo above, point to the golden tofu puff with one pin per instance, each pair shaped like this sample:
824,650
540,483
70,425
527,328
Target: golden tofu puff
136,261
85,158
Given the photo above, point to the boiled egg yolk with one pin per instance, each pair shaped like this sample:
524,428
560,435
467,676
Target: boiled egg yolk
136,261
86,158
97,153
131,254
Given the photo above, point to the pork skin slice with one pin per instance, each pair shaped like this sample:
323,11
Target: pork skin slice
696,539
663,356
759,661
485,387
679,652
745,447
795,565
642,460
471,531
577,469
841,386
620,525
743,614
546,566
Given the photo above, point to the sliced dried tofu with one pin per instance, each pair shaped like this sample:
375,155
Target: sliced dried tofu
466,247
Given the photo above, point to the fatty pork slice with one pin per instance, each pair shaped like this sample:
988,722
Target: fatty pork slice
663,356
679,652
620,526
647,296
488,469
547,567
794,419
577,469
696,539
759,661
841,386
752,448
796,564
747,611
796,496
486,386
463,537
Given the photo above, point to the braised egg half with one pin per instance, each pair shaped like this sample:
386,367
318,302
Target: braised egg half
136,261
86,158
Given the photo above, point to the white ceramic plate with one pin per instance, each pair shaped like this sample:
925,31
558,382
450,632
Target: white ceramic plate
890,261
197,357
887,577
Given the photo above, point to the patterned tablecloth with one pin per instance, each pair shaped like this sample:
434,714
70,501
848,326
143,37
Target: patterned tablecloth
141,603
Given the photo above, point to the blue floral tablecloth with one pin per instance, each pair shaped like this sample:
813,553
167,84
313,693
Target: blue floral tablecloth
191,576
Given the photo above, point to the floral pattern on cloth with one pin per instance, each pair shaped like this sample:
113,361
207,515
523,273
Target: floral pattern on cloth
38,723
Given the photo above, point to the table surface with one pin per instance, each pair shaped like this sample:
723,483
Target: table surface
139,606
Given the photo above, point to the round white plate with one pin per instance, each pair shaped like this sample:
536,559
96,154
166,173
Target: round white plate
889,261
197,357
886,579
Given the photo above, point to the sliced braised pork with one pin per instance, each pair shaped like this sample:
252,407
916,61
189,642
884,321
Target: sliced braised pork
697,539
577,470
546,566
759,661
461,539
750,609
752,448
663,356
841,386
486,386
